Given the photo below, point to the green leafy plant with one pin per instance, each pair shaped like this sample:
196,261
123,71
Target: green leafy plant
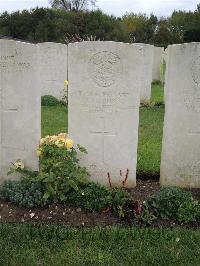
59,171
92,197
189,211
174,203
96,197
119,199
146,216
23,194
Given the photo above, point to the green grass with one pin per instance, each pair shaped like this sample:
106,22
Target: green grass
150,134
54,120
59,245
157,93
150,140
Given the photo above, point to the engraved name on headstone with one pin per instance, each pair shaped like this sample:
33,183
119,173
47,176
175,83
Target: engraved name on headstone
104,95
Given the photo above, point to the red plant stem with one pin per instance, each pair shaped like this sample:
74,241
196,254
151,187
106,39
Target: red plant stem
126,178
109,180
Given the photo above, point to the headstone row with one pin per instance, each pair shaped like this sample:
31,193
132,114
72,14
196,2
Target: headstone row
53,64
105,84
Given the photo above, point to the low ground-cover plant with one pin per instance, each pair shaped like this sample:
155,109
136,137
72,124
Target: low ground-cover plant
96,197
23,194
170,203
174,203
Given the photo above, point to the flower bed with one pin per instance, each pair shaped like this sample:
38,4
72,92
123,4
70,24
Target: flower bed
62,182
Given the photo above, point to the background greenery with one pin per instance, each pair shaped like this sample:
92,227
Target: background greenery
58,25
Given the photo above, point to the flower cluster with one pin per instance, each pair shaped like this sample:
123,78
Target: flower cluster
60,140
19,165
66,82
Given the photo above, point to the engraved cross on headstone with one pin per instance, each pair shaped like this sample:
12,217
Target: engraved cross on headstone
104,132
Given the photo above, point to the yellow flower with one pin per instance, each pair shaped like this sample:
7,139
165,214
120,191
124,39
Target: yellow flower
66,83
61,139
59,143
39,152
42,141
62,135
69,143
19,165
53,138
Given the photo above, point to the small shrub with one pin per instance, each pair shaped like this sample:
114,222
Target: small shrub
23,194
92,197
156,82
49,100
189,211
146,217
174,203
59,172
95,197
119,199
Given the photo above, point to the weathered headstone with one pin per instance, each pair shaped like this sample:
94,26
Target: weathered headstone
104,96
157,61
53,68
19,104
147,67
180,164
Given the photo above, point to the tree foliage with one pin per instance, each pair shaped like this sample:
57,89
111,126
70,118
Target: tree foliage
57,25
72,5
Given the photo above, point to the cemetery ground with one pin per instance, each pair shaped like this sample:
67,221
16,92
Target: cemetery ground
61,245
38,236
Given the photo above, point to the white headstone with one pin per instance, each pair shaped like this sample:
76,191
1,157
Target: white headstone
157,61
53,68
180,164
19,104
104,96
147,68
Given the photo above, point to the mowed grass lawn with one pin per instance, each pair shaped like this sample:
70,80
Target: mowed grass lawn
59,245
54,120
